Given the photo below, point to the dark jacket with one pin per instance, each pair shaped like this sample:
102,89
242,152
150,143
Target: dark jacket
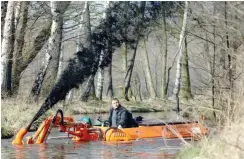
123,117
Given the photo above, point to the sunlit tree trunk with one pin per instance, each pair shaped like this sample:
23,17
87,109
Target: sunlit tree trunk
148,72
46,78
61,62
179,62
100,78
7,48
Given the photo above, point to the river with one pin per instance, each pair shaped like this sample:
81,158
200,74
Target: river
65,148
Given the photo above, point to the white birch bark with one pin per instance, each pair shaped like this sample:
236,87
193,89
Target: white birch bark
100,78
60,64
17,13
179,62
54,46
6,40
100,71
52,54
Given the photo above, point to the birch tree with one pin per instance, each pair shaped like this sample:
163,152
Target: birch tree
51,61
179,61
100,79
7,45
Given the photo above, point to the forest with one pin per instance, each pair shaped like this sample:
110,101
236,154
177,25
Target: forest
185,56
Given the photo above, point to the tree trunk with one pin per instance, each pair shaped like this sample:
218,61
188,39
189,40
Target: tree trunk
100,78
124,56
213,64
47,79
179,64
17,13
129,73
39,42
37,85
110,91
89,86
148,73
18,46
4,5
6,49
185,89
86,41
165,59
132,61
229,67
61,61
54,45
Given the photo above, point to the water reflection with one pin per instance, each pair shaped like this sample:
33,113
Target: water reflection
155,148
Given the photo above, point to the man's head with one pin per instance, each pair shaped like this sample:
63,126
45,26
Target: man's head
115,103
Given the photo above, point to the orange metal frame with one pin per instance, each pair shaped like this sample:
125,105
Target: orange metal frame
79,131
83,132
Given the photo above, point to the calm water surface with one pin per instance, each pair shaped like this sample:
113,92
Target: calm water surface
65,148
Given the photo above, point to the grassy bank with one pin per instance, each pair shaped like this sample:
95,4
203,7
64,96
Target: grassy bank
228,139
229,143
16,113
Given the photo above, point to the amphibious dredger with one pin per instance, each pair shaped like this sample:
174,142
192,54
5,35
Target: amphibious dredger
85,131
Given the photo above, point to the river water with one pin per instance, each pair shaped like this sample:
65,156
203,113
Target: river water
65,148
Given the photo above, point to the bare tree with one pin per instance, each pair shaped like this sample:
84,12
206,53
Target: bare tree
185,90
18,46
6,48
128,76
148,72
165,58
52,55
100,71
100,78
179,62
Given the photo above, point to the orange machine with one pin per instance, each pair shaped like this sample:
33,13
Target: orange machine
170,130
82,131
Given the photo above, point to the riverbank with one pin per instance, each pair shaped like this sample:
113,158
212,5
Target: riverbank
16,113
228,139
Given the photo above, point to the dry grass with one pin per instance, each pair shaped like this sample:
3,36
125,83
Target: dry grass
16,113
228,139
